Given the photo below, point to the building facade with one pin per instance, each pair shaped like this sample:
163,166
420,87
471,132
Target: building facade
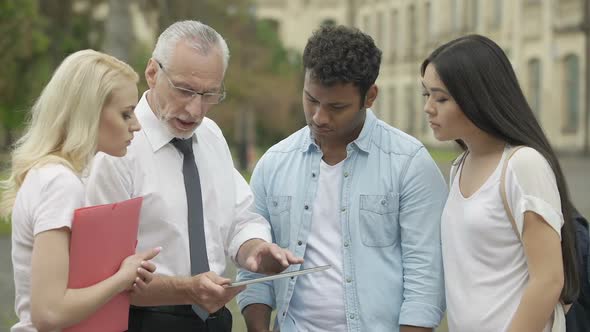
544,39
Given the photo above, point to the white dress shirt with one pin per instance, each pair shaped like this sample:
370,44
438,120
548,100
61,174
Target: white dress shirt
152,168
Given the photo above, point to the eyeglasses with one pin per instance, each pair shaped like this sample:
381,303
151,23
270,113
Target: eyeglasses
187,95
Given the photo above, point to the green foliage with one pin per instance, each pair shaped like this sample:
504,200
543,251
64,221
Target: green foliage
263,78
23,44
36,36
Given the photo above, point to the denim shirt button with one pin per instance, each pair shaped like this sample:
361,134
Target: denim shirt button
343,209
275,203
383,202
348,280
345,174
299,243
351,316
313,175
346,244
306,207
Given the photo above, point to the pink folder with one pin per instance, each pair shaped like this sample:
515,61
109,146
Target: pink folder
102,237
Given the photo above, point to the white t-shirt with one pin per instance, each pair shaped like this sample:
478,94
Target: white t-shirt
318,299
484,261
46,200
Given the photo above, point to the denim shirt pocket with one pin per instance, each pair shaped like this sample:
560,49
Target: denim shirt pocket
279,208
378,219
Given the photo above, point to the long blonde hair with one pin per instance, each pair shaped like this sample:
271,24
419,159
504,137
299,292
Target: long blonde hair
63,125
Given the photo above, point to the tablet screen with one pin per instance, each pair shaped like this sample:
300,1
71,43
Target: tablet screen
280,275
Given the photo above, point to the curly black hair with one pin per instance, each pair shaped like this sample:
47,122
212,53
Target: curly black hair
340,54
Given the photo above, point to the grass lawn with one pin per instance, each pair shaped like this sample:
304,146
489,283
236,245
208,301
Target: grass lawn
4,227
443,156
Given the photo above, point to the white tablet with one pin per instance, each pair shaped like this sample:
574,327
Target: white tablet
280,275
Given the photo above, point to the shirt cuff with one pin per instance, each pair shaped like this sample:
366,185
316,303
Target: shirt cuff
253,231
260,293
420,314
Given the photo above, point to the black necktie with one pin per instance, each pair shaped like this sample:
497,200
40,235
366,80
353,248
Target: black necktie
196,225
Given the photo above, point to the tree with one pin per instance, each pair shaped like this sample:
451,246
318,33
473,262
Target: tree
23,45
36,37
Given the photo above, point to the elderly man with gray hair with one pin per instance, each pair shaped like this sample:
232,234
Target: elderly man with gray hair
196,205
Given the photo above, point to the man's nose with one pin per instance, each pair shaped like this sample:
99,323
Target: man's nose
320,116
195,106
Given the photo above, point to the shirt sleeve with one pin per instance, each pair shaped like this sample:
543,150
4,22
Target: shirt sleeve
61,193
422,198
109,180
246,224
531,186
260,292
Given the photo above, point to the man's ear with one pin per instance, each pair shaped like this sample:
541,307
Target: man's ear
371,96
151,73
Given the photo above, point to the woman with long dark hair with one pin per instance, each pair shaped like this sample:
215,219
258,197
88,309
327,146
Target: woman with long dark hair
498,277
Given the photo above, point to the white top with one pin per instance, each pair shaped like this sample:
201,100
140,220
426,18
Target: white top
152,168
318,299
46,200
484,261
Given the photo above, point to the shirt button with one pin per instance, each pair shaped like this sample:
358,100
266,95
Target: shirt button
383,202
313,175
299,242
351,316
284,313
306,207
343,209
346,244
348,279
345,174
274,203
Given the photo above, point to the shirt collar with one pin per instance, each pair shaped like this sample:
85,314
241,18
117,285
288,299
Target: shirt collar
363,141
155,131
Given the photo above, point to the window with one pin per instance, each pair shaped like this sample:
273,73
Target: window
474,14
572,93
412,37
410,109
394,36
366,24
429,28
455,15
392,106
380,30
497,18
534,86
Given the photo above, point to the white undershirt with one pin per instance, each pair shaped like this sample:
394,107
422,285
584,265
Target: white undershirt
318,299
484,261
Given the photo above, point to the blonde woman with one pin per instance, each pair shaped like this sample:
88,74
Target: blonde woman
87,106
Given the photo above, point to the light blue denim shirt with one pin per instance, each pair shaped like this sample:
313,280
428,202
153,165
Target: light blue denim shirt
392,198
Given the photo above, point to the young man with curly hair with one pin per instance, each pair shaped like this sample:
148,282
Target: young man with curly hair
353,192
